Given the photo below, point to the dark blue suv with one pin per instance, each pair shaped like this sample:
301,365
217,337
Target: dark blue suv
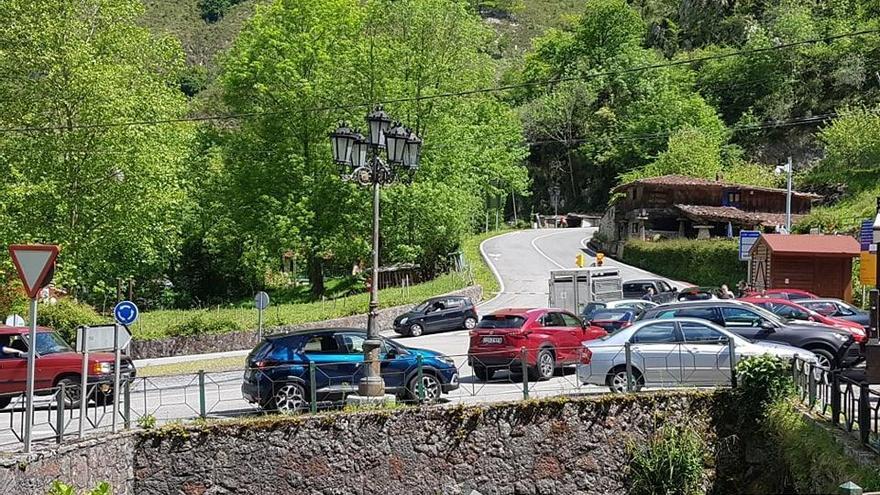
277,375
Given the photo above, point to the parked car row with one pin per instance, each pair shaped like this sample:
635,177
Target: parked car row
540,341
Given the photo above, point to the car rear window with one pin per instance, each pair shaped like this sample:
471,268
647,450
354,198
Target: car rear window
259,352
502,321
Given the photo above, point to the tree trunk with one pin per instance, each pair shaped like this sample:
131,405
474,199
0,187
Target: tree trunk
316,275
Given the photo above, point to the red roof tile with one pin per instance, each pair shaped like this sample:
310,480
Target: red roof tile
812,244
685,181
735,215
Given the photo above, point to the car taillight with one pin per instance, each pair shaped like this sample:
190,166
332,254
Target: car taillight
261,364
586,355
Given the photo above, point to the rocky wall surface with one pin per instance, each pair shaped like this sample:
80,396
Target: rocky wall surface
82,465
564,446
200,344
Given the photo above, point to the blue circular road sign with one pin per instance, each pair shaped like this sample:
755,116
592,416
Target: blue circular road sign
125,312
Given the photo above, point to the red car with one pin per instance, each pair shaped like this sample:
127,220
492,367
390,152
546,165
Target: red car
56,364
794,311
551,339
789,294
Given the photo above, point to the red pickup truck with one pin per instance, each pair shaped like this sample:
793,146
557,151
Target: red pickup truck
56,364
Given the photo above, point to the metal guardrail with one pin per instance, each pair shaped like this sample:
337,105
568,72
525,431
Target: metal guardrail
506,375
849,404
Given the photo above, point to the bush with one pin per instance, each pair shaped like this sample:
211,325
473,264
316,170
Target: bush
65,315
700,262
763,380
201,325
671,463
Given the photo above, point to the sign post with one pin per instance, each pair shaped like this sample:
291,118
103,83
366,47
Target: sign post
125,313
261,301
872,349
35,265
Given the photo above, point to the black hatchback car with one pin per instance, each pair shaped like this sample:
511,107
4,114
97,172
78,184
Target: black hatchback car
834,348
437,315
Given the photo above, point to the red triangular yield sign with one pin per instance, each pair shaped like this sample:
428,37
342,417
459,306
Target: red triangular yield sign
33,263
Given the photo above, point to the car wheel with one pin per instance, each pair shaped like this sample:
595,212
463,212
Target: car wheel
470,322
72,392
483,373
289,398
545,364
415,330
430,384
824,359
616,380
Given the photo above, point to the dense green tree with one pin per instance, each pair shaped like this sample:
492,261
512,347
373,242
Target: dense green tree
74,72
303,66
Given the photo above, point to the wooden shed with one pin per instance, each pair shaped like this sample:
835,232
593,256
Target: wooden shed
821,264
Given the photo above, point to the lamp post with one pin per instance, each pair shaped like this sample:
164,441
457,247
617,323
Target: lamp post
360,160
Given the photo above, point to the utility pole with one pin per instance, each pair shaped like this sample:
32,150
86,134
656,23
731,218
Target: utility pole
788,198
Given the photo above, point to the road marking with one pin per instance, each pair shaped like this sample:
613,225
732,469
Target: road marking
492,267
542,253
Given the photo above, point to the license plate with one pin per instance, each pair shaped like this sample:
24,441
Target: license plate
493,340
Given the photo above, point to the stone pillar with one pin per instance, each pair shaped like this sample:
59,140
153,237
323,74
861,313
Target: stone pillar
681,227
703,231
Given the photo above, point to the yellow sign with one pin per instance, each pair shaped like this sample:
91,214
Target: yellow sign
868,268
579,260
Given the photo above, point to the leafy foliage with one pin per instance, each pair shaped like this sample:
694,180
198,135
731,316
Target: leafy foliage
60,488
65,315
670,463
700,262
199,325
75,67
815,459
763,380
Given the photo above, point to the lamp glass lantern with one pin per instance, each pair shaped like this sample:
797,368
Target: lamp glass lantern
396,143
413,153
359,151
379,123
342,140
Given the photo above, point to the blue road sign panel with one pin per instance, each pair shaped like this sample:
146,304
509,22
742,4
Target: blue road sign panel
125,312
866,234
747,239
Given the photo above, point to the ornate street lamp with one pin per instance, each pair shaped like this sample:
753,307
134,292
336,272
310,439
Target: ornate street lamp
361,161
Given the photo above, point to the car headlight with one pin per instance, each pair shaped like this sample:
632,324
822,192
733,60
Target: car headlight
404,320
102,368
842,338
447,360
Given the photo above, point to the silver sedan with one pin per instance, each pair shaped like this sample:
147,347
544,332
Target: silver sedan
672,352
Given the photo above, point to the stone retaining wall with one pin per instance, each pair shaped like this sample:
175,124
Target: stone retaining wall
564,446
83,465
233,341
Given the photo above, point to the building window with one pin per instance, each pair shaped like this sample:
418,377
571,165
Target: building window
732,198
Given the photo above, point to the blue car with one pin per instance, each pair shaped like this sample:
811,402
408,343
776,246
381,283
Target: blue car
277,376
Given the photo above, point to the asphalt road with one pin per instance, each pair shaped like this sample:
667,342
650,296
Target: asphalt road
521,259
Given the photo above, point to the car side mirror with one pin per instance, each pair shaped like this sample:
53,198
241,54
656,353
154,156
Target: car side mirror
766,325
13,352
391,354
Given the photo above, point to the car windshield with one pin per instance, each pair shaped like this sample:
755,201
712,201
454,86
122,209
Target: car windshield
767,315
50,343
421,307
502,321
612,315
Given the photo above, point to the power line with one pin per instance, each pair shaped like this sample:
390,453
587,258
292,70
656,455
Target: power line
464,93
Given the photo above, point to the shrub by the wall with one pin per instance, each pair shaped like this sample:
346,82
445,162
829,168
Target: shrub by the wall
700,262
201,325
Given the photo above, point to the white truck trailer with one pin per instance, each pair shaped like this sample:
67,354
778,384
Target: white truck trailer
575,288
